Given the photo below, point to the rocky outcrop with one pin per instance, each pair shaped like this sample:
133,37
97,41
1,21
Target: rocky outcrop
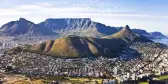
22,26
77,47
65,26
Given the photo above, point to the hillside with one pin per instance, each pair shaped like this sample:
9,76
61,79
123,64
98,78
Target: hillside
157,35
65,26
75,46
150,35
127,35
22,26
141,32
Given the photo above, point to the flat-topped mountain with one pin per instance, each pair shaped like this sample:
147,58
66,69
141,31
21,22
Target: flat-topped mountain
67,23
75,46
65,27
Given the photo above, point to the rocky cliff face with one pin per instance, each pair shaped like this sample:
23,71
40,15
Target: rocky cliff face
22,26
67,24
64,27
78,26
76,47
127,35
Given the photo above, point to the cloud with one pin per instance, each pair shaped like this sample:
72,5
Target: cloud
104,12
86,9
63,7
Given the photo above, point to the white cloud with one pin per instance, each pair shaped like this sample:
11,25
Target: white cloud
51,7
41,11
75,10
113,14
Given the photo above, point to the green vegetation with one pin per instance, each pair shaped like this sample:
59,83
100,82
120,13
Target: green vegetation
125,34
143,83
160,78
164,77
76,47
67,80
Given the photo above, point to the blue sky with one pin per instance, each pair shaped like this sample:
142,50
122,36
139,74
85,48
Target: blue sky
151,15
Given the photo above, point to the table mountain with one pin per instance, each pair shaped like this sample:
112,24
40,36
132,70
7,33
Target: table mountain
64,27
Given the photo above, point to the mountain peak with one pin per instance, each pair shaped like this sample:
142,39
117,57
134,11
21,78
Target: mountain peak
22,20
126,28
125,34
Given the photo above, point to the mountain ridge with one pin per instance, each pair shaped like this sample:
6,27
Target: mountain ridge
63,27
77,47
128,35
151,35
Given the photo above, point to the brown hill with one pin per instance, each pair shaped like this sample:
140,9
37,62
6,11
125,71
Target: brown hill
74,47
127,35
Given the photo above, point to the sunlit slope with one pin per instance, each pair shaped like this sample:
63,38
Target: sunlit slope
75,46
79,47
127,35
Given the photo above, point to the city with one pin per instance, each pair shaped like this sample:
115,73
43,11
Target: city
33,64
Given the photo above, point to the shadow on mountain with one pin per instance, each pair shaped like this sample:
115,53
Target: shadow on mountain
129,53
77,47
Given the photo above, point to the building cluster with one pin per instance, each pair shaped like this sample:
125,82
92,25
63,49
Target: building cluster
148,59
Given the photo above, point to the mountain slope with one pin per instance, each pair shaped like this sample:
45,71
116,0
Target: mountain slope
64,26
157,35
72,47
150,35
141,32
125,34
78,26
75,46
22,26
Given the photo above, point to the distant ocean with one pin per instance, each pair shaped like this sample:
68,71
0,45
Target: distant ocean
164,41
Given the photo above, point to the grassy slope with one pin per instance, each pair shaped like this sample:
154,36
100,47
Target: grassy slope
78,47
164,77
125,34
143,83
74,46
